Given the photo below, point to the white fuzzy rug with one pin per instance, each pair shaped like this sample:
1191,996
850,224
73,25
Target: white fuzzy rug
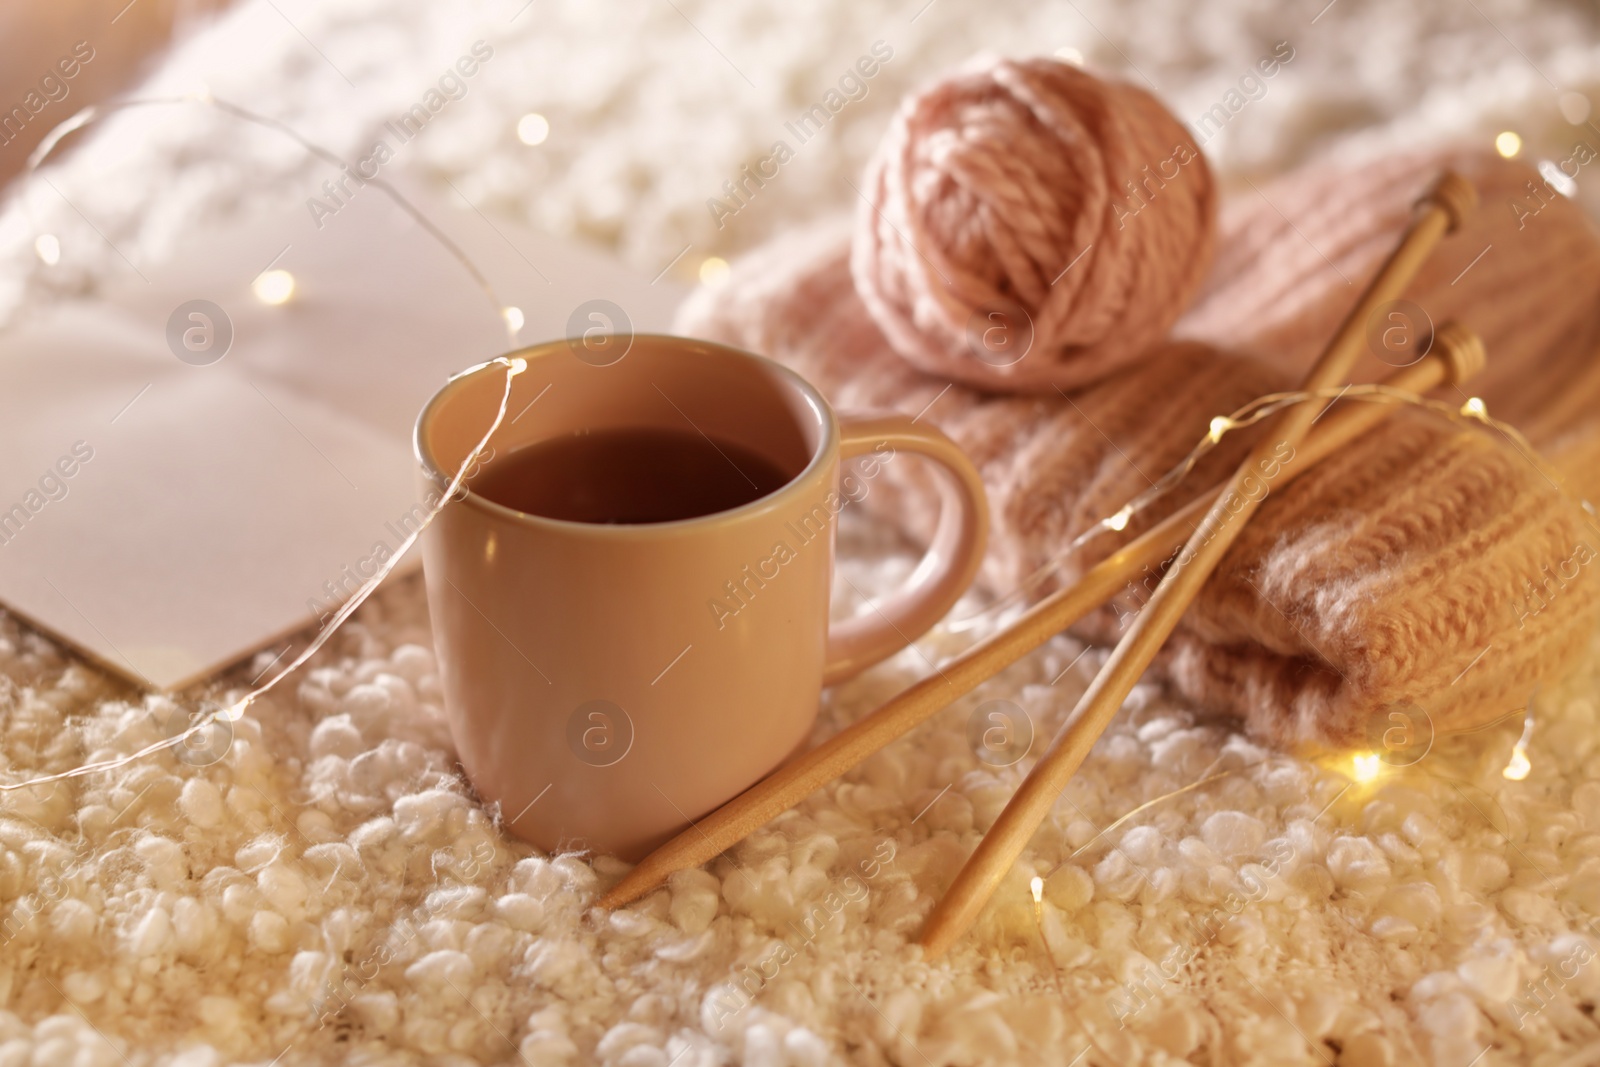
173,912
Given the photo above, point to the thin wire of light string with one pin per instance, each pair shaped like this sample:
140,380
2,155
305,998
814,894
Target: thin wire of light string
1472,414
95,112
1210,775
235,709
1256,410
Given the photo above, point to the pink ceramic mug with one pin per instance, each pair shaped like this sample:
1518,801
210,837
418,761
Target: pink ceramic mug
606,684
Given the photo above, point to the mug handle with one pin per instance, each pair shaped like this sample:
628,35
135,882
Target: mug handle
947,568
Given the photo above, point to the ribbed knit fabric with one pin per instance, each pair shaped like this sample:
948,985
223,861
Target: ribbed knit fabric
1411,568
1423,564
1524,272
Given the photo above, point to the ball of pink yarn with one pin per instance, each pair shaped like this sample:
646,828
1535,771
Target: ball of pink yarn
1030,225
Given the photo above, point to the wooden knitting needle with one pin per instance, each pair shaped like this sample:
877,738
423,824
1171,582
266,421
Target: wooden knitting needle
1455,356
1442,210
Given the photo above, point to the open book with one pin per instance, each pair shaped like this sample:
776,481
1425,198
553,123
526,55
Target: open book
190,471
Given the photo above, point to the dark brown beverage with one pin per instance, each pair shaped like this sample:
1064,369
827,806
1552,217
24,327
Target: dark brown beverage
628,476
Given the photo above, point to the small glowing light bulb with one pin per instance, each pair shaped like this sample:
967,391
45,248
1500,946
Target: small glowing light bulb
1119,521
518,365
1219,426
273,287
1559,179
1366,768
1507,143
533,128
1474,408
1036,887
514,318
1518,766
48,248
1070,55
713,270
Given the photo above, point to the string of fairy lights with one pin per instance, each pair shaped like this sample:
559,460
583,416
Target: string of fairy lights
278,286
1363,767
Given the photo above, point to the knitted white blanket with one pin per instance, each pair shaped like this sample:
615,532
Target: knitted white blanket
329,891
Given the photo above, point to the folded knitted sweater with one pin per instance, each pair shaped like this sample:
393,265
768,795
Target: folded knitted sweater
1428,563
1524,272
